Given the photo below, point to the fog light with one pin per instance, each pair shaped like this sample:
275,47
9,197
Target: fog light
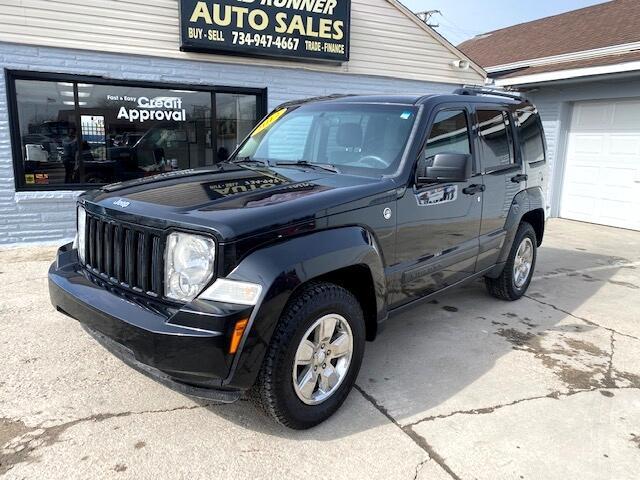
230,291
189,262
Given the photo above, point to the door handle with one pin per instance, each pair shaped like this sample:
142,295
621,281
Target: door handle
520,178
473,189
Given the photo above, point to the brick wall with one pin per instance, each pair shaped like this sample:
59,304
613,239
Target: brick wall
48,217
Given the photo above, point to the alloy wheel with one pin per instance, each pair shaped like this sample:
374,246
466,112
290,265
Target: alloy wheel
523,263
322,359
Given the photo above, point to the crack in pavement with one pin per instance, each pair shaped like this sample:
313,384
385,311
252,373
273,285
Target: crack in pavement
420,466
590,322
488,410
417,439
610,370
609,383
22,441
421,442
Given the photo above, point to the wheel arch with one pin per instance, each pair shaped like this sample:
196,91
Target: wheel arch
536,219
528,205
358,280
339,256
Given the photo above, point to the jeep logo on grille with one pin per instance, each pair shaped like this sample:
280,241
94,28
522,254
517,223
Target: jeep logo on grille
121,203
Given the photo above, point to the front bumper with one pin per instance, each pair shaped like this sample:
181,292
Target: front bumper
185,348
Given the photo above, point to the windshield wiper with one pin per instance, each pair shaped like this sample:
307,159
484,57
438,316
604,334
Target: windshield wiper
251,160
304,163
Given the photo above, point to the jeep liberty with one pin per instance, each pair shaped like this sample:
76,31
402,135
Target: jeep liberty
267,273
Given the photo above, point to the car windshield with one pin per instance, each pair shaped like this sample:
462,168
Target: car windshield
366,139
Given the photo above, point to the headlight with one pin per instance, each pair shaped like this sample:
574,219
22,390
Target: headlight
82,235
189,263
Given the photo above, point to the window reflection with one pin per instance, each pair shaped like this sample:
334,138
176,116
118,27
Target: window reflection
74,133
48,133
236,117
134,132
449,134
496,140
530,135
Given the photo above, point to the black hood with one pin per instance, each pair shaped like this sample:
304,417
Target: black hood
238,200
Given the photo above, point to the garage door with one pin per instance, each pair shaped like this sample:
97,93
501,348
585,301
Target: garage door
602,169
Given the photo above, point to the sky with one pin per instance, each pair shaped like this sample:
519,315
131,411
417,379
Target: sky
463,19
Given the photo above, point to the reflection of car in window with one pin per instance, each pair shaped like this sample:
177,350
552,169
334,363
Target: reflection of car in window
130,139
44,141
157,150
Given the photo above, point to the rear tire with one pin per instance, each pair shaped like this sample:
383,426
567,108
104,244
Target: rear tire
514,281
300,351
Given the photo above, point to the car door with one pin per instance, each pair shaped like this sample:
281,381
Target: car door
438,224
500,175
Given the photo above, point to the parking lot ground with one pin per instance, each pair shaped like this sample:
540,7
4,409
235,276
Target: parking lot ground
465,387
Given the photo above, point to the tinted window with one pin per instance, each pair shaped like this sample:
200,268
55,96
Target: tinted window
449,134
495,134
530,135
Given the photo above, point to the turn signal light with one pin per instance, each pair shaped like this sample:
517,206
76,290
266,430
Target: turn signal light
238,332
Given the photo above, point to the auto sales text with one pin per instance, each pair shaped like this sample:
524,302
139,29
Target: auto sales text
285,23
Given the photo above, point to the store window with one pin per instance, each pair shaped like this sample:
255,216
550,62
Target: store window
82,133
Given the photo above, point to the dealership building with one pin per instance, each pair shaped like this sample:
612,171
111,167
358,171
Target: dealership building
96,92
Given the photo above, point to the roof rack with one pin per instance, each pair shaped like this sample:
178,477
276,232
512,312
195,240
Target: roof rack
475,90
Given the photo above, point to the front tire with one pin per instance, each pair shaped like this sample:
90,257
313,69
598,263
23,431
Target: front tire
514,280
314,357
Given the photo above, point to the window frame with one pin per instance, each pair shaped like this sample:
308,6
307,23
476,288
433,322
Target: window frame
512,139
14,126
462,107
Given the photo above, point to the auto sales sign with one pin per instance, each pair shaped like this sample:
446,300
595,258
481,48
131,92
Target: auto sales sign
315,30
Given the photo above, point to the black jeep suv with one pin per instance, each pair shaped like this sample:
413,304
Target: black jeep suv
267,273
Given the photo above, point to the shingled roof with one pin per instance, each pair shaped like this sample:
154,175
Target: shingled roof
613,23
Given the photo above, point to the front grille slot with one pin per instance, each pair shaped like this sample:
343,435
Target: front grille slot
127,255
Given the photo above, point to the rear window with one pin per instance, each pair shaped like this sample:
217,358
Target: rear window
530,134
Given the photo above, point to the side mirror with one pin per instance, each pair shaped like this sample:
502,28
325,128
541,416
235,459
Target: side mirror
444,168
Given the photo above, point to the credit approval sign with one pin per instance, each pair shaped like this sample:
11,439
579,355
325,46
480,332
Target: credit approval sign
308,30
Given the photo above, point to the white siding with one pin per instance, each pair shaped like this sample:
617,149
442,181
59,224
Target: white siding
385,41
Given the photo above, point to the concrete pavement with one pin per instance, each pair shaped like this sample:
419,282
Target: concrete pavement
466,387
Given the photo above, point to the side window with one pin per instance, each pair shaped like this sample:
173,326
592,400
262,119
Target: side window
449,134
495,136
530,135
